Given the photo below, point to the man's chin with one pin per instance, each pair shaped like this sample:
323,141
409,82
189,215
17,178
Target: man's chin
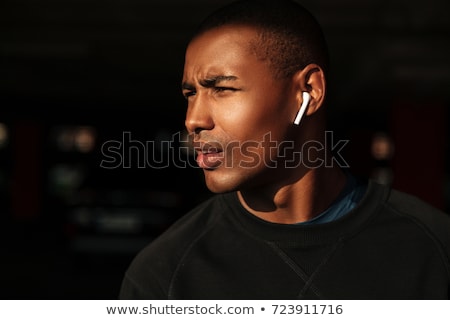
220,185
219,189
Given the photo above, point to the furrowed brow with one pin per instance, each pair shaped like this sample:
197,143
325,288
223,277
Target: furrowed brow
214,81
187,86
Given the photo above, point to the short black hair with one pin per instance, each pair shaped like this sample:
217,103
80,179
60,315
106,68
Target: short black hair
289,36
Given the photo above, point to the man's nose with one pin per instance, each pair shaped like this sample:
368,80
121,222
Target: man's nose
198,115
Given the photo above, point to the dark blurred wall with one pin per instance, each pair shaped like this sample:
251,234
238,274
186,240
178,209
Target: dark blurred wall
76,75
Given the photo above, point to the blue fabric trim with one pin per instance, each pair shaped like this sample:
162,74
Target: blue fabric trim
348,199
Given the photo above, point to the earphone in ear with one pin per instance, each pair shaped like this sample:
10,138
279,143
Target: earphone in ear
306,98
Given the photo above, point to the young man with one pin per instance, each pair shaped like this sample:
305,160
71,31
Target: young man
287,222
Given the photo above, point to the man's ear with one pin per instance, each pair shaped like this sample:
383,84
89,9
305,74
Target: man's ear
312,80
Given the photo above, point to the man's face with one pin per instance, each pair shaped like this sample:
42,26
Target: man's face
238,113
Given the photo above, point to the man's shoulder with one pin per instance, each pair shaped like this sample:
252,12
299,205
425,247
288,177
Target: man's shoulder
200,217
413,206
176,240
430,219
150,273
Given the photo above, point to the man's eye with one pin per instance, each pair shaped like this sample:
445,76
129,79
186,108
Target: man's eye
223,89
188,94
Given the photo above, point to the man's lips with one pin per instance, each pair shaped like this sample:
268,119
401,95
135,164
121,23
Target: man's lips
209,160
209,156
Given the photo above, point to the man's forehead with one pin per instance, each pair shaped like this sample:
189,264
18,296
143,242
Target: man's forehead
237,34
220,46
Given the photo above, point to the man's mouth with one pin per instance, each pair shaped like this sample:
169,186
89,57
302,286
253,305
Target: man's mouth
209,156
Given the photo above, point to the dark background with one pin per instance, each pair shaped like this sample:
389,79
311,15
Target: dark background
77,74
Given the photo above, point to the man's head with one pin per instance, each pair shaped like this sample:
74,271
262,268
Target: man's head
245,73
289,37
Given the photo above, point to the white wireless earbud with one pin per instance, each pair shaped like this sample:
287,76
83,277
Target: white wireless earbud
306,98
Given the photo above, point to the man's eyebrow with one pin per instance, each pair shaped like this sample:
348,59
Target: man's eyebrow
213,81
208,82
187,86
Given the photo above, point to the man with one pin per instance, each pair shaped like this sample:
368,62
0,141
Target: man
287,221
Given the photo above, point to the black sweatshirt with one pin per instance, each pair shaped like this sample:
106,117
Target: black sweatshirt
391,246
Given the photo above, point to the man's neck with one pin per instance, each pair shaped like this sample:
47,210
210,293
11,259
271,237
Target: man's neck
295,202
